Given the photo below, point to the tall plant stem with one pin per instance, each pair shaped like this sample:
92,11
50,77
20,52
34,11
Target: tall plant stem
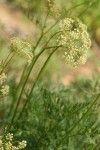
7,61
22,76
23,88
18,87
42,32
46,62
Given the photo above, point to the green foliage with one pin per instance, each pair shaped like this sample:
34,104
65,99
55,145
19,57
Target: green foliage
47,122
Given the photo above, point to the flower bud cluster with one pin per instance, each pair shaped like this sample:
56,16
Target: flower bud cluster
4,89
6,143
53,10
75,38
21,48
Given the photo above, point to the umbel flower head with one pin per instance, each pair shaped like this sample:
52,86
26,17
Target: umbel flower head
75,38
7,143
21,48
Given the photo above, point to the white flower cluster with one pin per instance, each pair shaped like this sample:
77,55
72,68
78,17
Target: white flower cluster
21,48
3,78
53,10
22,144
9,136
6,143
74,37
4,89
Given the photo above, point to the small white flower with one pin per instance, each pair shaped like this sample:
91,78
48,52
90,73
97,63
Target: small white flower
8,146
3,77
4,89
9,136
22,144
1,148
7,143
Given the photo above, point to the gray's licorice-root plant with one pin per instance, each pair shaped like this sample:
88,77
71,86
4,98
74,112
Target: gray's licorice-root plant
64,33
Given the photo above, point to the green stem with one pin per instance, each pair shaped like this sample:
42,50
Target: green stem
85,114
38,41
7,61
18,87
86,9
36,82
41,36
22,77
45,20
7,58
23,89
